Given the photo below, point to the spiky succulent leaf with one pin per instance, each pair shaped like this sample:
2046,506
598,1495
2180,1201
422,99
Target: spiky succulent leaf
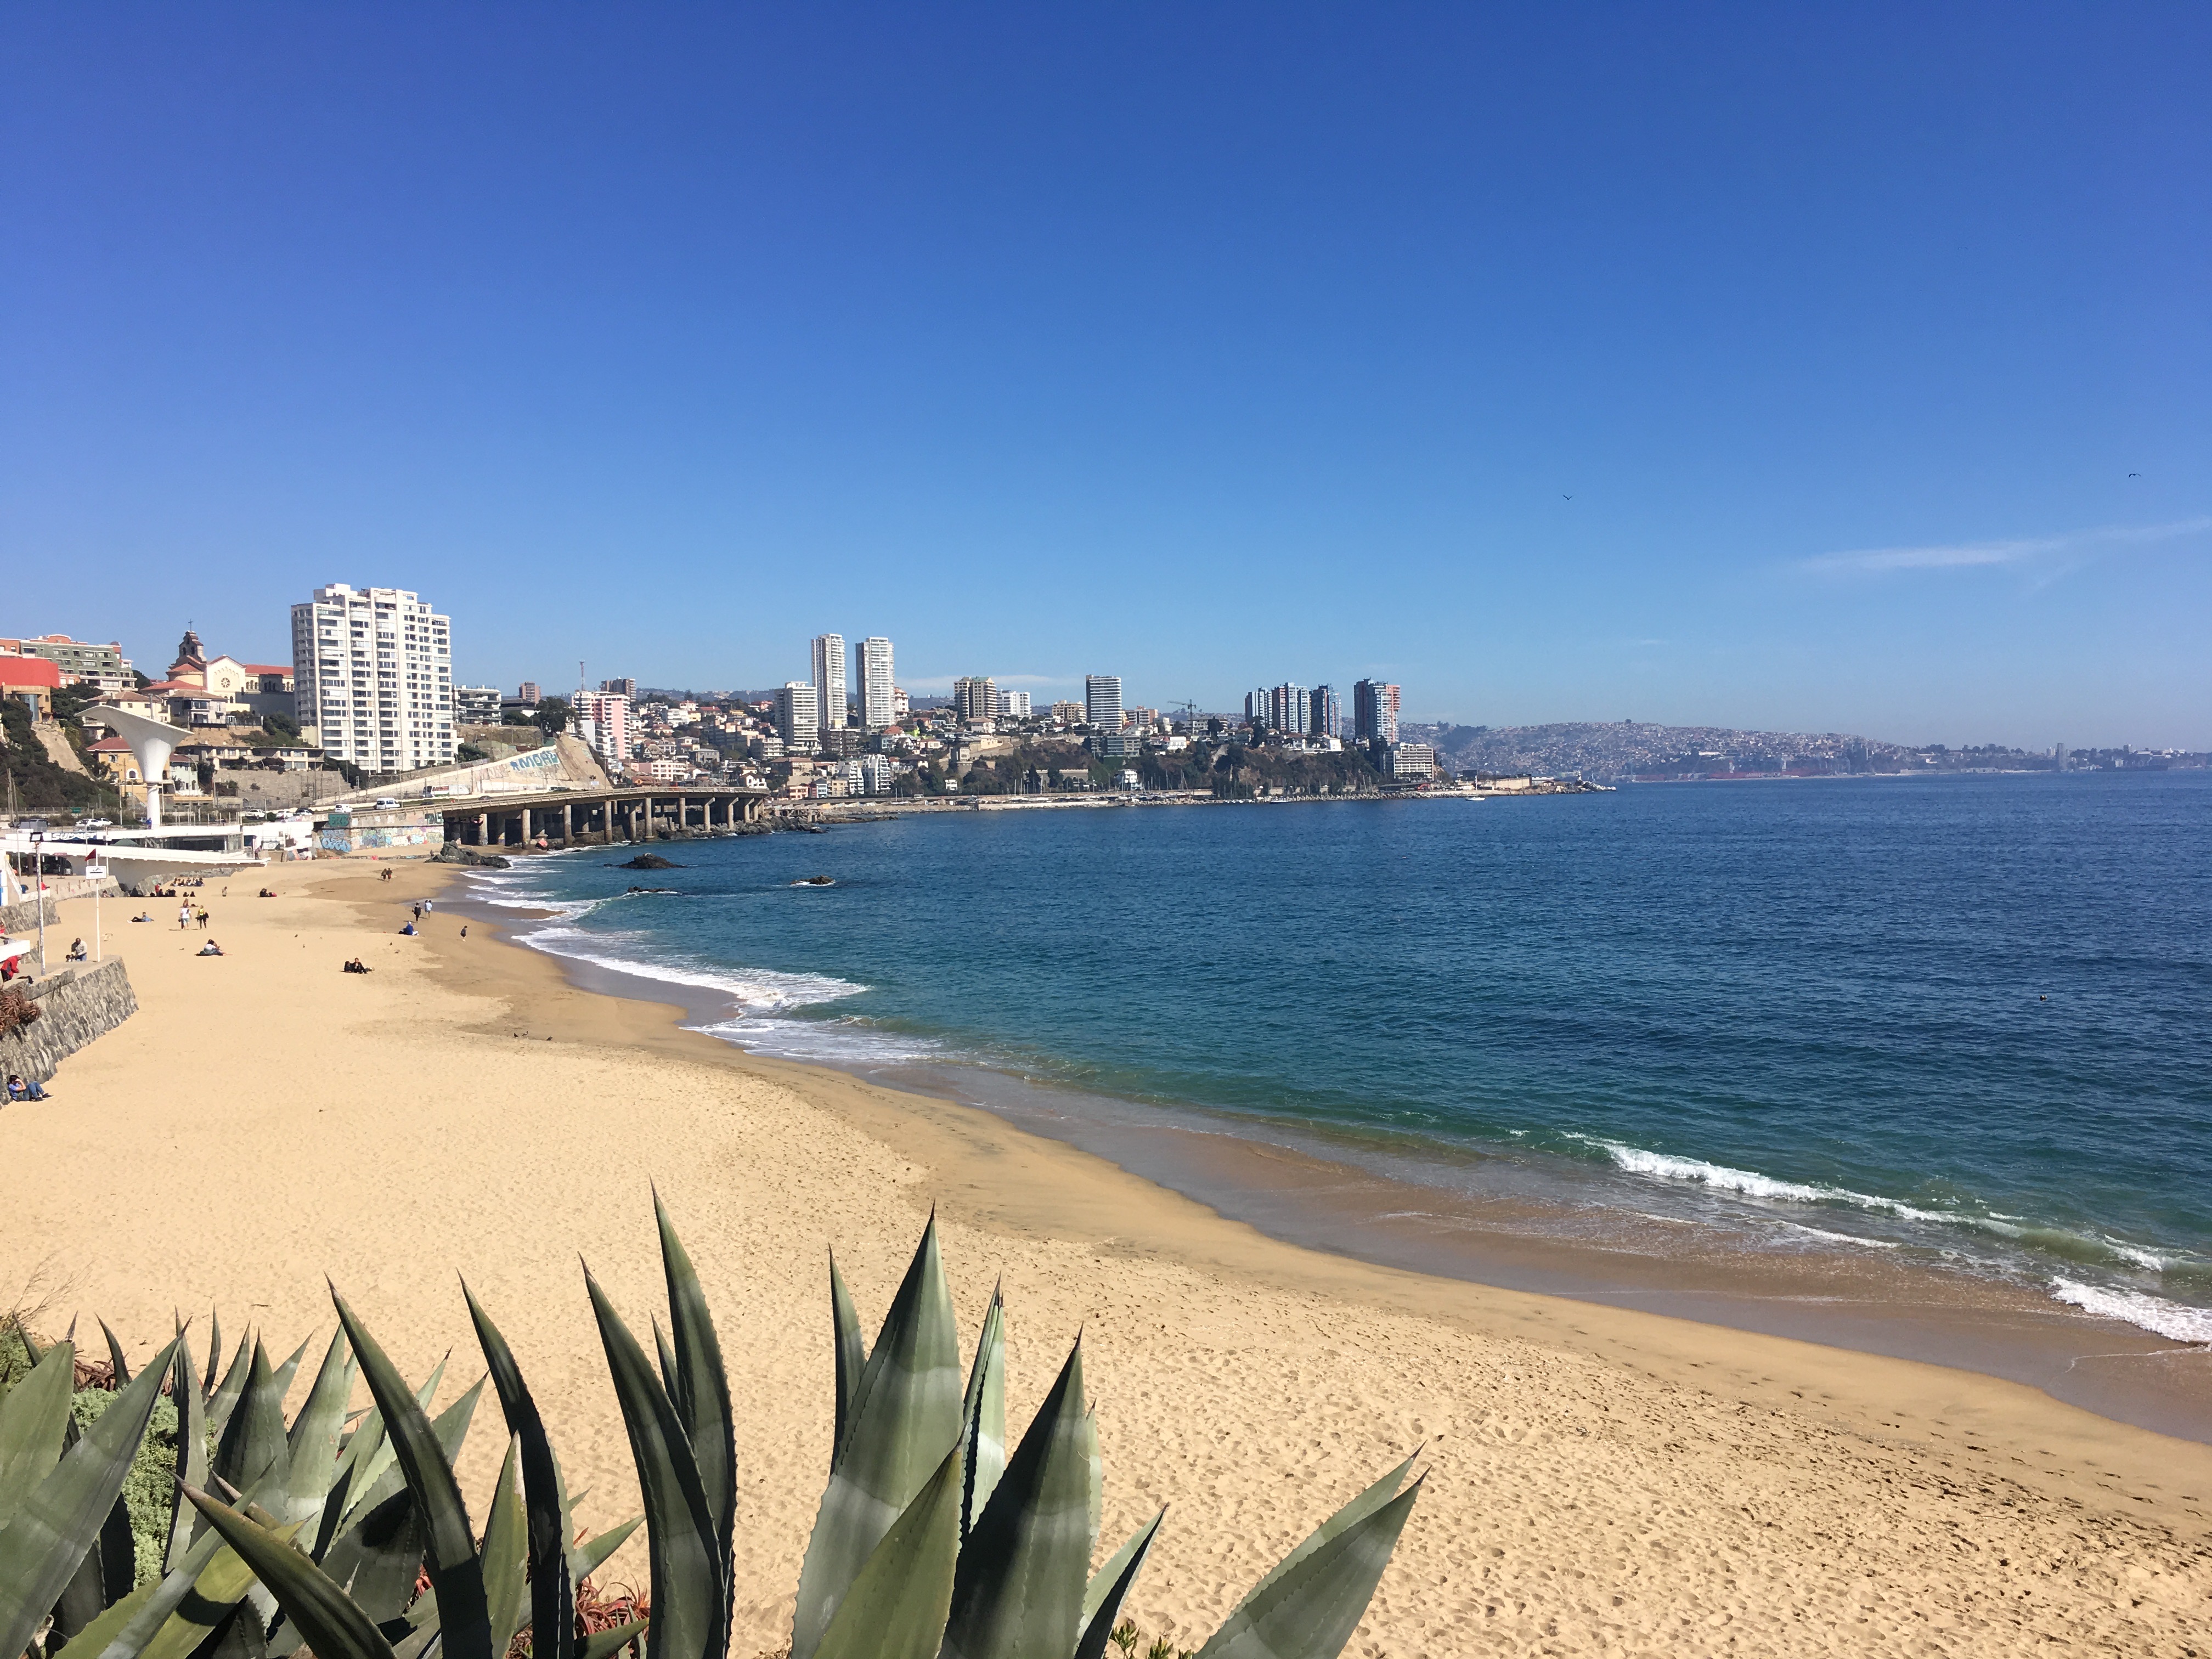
587,1558
701,1395
185,1389
1093,1477
1025,1562
688,1595
225,1398
107,1572
602,1643
1373,1498
253,1434
333,1626
852,1355
552,1592
378,1549
506,1552
450,1552
896,1608
905,1418
34,1418
666,1355
374,1468
53,1528
1309,1609
118,1361
95,1637
213,1358
290,1368
983,1414
1109,1588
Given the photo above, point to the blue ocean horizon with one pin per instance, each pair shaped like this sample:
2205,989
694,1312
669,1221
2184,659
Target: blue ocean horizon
1961,1019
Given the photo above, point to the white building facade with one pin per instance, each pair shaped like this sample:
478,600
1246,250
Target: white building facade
830,688
373,673
798,717
1101,702
603,722
878,694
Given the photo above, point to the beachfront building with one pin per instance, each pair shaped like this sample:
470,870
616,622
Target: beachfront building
975,698
603,722
798,717
879,695
1327,713
831,696
1290,708
373,672
1410,761
876,774
103,667
1374,712
1101,702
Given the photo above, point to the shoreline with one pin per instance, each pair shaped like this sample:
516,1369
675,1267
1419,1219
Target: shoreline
1314,1187
1603,1479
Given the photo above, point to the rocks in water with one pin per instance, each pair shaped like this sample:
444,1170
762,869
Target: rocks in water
649,861
454,853
816,881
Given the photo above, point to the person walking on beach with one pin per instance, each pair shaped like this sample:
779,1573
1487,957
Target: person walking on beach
183,915
419,913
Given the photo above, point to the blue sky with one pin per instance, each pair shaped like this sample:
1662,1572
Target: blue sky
1756,366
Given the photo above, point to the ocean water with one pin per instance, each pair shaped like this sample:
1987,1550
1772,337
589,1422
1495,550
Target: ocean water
1967,1018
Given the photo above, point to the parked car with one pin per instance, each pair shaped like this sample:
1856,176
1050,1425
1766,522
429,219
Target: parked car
386,804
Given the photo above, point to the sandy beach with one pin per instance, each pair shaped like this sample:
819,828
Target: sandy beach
1601,1481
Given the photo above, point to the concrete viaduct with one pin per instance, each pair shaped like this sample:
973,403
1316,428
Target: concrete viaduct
581,817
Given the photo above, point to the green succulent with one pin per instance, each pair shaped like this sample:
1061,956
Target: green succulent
931,1539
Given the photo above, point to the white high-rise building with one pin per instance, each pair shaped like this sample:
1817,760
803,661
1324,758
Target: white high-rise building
373,672
879,695
798,718
1015,704
1101,702
603,722
830,688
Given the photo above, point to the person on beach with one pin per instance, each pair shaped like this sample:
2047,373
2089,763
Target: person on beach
23,1088
419,913
408,930
201,916
183,915
211,949
356,966
465,930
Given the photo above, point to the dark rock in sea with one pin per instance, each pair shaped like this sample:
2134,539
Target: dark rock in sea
454,853
649,861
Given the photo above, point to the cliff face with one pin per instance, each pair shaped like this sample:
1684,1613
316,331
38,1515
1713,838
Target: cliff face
75,1006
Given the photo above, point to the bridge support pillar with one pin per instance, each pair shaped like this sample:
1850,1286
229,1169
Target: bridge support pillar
483,828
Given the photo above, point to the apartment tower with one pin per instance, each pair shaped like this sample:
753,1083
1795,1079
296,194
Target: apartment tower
879,695
831,692
1374,712
798,717
373,673
1101,702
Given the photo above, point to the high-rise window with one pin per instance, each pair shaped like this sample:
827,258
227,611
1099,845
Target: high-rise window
798,717
1101,702
383,701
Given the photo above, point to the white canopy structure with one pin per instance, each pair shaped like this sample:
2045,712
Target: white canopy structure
151,742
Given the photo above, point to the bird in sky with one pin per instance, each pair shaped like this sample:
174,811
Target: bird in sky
2134,475
1566,498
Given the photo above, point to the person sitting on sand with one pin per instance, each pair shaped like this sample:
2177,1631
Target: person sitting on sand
23,1088
408,930
356,966
76,951
142,916
268,892
211,949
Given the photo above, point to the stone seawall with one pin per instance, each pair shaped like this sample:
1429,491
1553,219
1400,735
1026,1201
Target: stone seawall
23,917
76,1005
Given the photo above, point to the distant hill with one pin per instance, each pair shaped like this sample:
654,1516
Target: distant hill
1629,749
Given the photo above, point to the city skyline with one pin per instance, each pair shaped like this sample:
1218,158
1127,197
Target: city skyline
1651,379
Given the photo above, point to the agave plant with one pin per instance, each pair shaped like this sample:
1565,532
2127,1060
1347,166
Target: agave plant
930,1539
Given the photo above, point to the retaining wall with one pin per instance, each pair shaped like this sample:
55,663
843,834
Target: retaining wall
76,1005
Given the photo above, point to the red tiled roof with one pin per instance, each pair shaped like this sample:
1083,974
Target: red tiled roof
283,668
107,746
30,671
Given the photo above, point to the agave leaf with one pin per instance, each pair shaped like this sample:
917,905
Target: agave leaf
983,1414
95,1636
506,1550
289,1370
852,1356
50,1530
588,1558
552,1589
1352,1514
1109,1587
701,1395
107,1572
1308,1610
215,1356
118,1361
421,1642
688,1594
142,1633
600,1644
450,1553
897,1606
1023,1567
253,1434
1095,1473
378,1549
373,1458
217,1579
191,1398
34,1418
333,1626
666,1355
225,1399
313,1444
906,1415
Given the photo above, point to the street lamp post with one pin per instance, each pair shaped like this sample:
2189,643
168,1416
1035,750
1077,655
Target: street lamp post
38,893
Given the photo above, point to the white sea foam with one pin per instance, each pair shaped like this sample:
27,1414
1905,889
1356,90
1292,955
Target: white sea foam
2136,1254
756,987
2176,1320
1843,1239
1750,1182
837,1042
